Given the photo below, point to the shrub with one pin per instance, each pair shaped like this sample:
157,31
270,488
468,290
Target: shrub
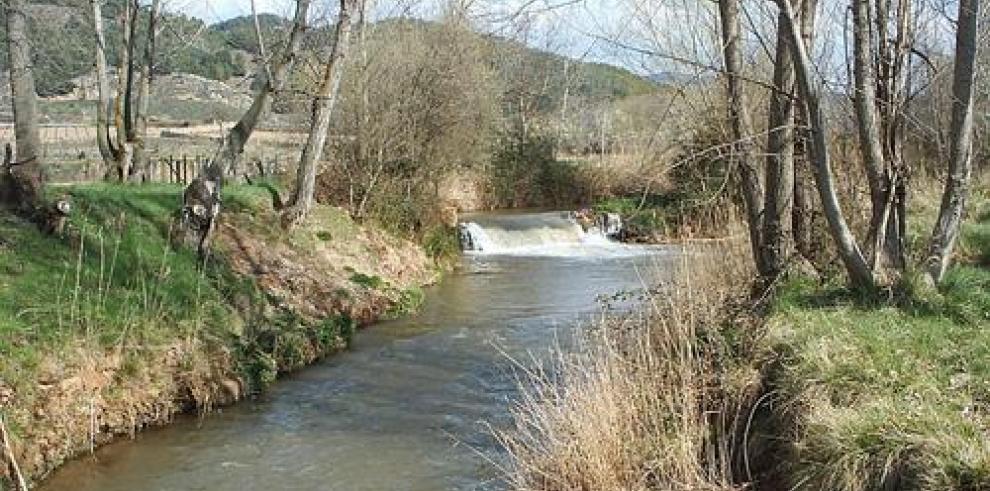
441,243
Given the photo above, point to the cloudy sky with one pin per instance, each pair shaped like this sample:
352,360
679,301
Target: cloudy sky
218,10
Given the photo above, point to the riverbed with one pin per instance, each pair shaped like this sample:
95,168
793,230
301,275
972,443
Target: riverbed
411,405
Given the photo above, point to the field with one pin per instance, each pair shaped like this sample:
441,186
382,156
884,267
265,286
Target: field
71,149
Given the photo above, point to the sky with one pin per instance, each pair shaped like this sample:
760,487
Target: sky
566,38
618,32
218,10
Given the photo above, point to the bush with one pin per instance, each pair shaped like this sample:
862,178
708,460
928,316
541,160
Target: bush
523,171
441,243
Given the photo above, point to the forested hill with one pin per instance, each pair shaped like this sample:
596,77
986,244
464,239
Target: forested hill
62,44
63,48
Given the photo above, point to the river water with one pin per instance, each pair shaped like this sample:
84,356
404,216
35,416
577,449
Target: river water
409,406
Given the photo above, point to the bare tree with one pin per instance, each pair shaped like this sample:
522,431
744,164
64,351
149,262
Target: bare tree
201,198
227,159
323,104
23,176
777,238
118,147
802,215
879,101
859,271
946,229
125,82
103,86
139,134
406,135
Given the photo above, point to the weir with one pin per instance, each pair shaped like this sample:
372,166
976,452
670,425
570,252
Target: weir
549,234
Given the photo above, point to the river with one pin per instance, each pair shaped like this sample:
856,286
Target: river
409,406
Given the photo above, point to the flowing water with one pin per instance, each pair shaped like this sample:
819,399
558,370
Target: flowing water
408,408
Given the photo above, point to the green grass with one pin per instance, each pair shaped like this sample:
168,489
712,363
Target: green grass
112,280
404,301
889,391
441,243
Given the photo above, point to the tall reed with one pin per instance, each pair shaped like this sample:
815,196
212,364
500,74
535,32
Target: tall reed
649,400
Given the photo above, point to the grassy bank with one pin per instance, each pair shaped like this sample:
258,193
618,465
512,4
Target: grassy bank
820,388
110,328
888,393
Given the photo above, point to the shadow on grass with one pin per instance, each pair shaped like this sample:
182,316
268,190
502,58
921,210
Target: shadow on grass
963,297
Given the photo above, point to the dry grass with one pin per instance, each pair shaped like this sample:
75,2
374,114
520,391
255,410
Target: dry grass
646,401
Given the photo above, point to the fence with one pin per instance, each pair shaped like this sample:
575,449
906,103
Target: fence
177,155
184,168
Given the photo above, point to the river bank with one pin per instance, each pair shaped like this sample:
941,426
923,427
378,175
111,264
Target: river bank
883,390
815,386
109,330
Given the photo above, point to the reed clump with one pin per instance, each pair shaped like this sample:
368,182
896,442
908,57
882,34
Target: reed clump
648,400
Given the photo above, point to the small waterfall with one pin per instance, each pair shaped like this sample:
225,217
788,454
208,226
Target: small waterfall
558,233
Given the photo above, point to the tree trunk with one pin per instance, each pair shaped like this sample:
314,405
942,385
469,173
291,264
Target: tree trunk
777,240
323,105
201,198
742,126
893,107
227,158
140,136
803,215
879,103
125,151
946,230
107,151
865,99
852,257
802,218
25,173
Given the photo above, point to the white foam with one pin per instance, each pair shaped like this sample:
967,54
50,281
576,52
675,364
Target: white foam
542,234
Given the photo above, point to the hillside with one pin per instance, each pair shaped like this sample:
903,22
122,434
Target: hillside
63,36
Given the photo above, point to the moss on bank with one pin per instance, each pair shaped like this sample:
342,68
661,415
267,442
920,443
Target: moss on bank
888,393
109,328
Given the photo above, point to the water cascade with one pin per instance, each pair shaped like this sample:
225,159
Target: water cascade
552,233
